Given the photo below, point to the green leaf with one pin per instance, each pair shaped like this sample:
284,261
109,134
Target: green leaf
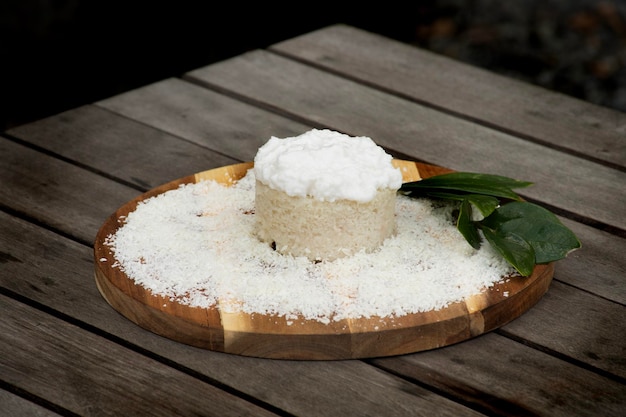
468,182
514,249
549,238
484,203
465,225
524,233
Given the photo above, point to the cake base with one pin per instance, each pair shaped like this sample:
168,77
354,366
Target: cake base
276,337
322,230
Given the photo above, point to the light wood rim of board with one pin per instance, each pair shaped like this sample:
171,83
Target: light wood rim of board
274,337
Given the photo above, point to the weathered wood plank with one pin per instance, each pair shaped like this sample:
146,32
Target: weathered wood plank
13,406
600,258
50,269
561,315
532,384
45,283
598,267
583,326
204,117
43,260
495,100
120,147
154,157
58,273
244,363
104,379
561,180
56,193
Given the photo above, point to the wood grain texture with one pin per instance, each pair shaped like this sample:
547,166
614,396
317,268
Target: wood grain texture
596,268
551,387
581,322
584,268
50,275
61,195
562,357
14,406
92,136
106,377
563,181
599,267
508,104
275,337
209,119
56,272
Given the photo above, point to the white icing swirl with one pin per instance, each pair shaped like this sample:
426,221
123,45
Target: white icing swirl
326,165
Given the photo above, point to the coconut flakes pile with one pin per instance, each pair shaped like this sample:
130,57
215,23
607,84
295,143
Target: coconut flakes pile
195,245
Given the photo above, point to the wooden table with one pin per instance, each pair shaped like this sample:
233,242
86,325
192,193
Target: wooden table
65,351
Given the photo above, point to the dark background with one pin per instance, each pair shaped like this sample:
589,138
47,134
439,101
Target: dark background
56,55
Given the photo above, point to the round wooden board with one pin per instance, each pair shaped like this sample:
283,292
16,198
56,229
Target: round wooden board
274,337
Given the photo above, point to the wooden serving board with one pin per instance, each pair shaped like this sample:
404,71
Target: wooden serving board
274,337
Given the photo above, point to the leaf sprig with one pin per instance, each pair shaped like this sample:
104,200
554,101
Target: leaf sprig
525,234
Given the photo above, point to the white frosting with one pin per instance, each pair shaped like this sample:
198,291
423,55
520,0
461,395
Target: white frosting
326,165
